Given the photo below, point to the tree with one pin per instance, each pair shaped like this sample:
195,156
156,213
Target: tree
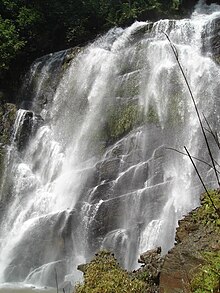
10,42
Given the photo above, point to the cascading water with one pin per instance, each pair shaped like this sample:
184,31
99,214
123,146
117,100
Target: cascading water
96,172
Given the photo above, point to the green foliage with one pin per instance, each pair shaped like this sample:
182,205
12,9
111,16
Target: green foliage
7,119
175,4
143,275
10,43
103,274
27,18
208,275
207,279
44,25
206,213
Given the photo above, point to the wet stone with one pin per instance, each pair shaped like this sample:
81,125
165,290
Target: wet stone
108,169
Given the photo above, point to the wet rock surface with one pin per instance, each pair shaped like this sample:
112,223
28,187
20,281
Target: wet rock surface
58,237
7,118
211,39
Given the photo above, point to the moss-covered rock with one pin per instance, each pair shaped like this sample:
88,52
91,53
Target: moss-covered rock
193,264
103,274
123,119
151,115
7,119
70,55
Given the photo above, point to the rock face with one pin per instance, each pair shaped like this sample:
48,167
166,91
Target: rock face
30,124
7,118
152,262
57,237
211,39
195,235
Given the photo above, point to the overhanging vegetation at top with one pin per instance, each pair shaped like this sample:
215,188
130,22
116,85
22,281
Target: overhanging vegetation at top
27,27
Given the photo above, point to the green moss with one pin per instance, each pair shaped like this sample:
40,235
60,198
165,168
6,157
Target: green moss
208,277
104,275
206,213
130,85
143,275
123,120
151,116
174,112
7,118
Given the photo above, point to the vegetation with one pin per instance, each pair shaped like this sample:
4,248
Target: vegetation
208,277
10,42
123,119
206,213
29,29
151,116
7,118
103,274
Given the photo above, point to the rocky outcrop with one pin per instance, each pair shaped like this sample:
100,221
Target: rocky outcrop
211,39
27,128
7,118
197,233
152,262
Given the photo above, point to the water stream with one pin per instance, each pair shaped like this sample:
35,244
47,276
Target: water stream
86,179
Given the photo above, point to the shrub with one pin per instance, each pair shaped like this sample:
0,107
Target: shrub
103,274
208,277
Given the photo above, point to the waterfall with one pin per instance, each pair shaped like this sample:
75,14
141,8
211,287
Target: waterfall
91,167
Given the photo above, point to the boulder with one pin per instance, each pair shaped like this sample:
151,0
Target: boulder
152,261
